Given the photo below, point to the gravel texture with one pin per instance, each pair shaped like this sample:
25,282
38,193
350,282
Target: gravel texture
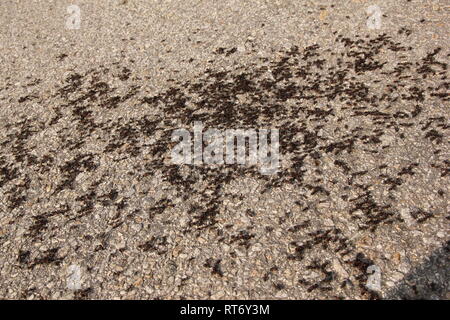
91,206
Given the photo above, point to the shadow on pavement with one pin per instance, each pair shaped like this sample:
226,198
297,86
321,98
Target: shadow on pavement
429,281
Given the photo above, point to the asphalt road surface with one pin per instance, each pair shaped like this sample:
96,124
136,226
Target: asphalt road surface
93,206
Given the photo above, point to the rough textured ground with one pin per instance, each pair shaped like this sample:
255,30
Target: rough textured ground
87,183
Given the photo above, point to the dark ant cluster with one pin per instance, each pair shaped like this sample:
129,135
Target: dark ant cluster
215,266
156,244
321,100
49,257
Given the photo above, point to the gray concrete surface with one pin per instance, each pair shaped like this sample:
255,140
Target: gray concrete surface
91,206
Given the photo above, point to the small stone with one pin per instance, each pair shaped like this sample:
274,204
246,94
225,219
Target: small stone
396,258
119,242
280,295
328,222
